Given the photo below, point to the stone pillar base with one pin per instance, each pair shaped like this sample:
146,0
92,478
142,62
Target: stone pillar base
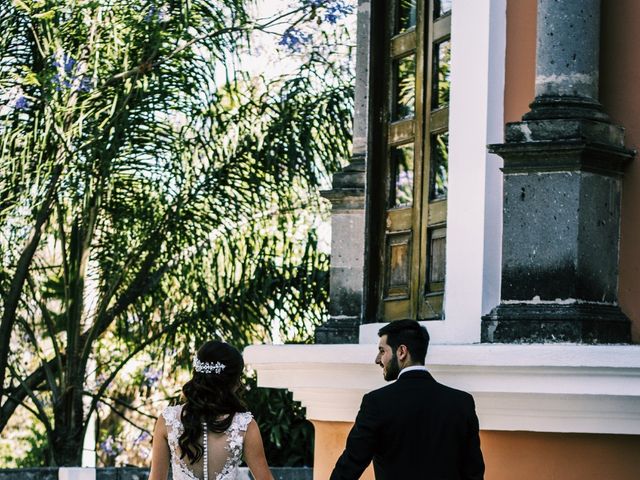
547,322
565,107
338,330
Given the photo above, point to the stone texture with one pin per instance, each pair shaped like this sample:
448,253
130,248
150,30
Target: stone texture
347,239
532,156
123,473
553,322
568,46
343,329
553,222
346,291
567,61
292,473
346,271
561,227
29,474
361,97
581,130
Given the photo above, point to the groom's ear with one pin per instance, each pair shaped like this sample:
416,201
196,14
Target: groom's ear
402,352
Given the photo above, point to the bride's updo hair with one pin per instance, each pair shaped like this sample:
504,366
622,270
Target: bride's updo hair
211,396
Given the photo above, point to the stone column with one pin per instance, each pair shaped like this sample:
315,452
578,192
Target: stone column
347,198
568,48
563,165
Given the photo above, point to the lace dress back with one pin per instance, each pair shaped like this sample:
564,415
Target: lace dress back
224,449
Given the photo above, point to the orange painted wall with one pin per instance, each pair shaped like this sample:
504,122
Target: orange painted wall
520,63
620,96
560,456
329,441
517,455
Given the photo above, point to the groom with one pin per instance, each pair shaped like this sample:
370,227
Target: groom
414,428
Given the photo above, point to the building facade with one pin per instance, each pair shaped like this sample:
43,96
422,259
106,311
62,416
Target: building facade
494,195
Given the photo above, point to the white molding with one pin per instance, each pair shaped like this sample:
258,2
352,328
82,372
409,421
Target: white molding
492,270
541,388
474,217
369,332
76,473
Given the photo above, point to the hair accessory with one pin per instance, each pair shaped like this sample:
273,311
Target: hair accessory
207,367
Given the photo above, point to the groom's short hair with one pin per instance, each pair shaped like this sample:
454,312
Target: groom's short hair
410,334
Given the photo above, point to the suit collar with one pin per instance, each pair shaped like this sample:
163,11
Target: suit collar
416,374
419,368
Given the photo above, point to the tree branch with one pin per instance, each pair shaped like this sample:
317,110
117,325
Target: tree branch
18,394
142,283
148,65
48,372
122,403
22,270
48,321
42,414
119,413
114,373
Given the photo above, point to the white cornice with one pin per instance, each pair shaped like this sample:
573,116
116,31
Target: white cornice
545,388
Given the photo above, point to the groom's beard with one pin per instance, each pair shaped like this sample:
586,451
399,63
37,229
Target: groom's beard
392,370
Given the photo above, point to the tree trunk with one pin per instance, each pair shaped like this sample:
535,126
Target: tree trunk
68,428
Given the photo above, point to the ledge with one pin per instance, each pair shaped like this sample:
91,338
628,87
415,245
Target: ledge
534,387
130,473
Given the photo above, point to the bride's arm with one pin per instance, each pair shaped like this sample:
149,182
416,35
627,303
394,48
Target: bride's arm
160,452
254,453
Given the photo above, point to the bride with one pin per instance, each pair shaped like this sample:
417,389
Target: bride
205,437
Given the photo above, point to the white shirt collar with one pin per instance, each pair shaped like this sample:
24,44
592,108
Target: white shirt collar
421,368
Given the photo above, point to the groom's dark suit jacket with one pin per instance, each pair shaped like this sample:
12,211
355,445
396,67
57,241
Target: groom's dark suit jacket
414,428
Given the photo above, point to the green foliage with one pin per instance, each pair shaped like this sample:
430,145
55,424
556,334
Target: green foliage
147,203
38,449
287,435
27,448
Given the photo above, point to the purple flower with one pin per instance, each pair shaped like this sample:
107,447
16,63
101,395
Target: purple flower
151,14
294,39
21,103
151,376
85,84
65,62
69,63
61,82
154,13
314,3
331,18
336,11
141,438
111,447
65,78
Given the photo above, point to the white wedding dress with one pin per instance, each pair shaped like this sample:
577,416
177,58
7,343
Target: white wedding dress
224,449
